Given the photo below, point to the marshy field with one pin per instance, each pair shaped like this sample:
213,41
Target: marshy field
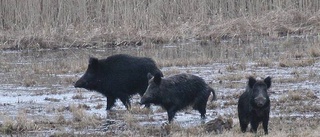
45,46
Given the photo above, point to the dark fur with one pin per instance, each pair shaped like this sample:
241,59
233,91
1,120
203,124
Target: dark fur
118,76
254,105
177,92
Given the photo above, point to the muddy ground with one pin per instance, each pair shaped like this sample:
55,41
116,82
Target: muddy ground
37,97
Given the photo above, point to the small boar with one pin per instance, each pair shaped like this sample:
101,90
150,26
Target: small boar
118,76
177,92
254,105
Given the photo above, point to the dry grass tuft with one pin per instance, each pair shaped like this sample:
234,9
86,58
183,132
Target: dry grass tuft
294,95
184,62
234,67
212,105
83,106
60,119
29,82
219,125
294,79
70,80
314,51
78,96
296,63
231,103
62,108
99,106
230,68
62,134
313,74
232,77
171,72
264,62
18,124
129,119
83,119
138,110
310,94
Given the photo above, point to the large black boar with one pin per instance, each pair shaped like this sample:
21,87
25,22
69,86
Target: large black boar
177,92
254,105
118,76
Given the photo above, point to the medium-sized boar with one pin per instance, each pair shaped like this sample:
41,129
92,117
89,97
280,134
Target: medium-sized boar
254,105
177,92
118,76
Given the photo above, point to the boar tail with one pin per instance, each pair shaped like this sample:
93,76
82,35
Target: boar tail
214,97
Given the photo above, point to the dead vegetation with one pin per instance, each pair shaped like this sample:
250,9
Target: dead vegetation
18,124
46,24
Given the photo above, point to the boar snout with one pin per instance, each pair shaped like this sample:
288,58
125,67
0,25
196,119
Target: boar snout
260,101
79,84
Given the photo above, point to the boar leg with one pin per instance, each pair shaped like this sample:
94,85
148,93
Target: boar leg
126,102
171,113
201,107
254,125
265,125
243,124
110,102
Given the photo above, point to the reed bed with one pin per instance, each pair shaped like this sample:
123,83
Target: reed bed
83,23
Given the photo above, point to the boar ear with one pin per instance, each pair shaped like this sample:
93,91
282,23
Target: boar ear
93,61
268,81
149,76
252,81
157,78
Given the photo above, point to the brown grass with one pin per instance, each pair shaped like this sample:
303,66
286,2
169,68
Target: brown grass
98,106
82,119
18,124
78,96
298,95
29,82
53,24
264,63
310,94
233,67
314,51
234,77
137,109
296,63
294,95
290,80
